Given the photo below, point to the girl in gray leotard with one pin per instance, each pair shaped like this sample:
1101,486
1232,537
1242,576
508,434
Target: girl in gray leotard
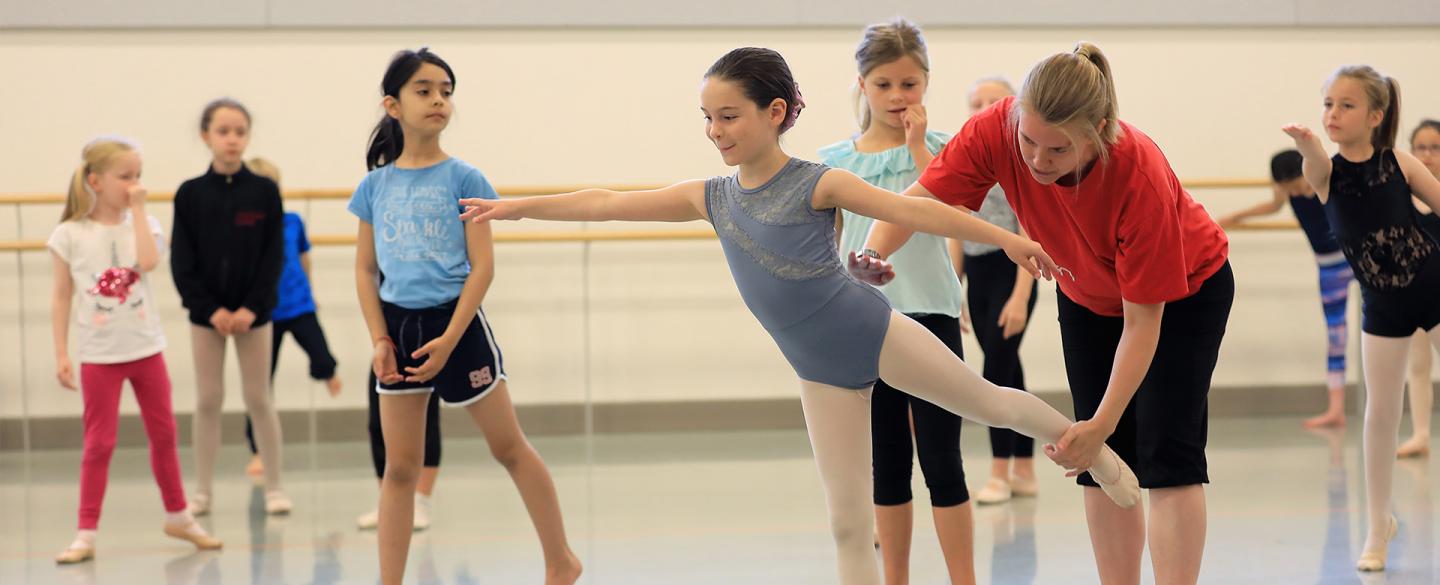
781,251
775,218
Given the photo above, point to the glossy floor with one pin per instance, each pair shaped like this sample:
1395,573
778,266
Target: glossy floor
1286,506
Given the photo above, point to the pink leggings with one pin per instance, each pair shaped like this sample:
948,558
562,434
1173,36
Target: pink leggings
100,385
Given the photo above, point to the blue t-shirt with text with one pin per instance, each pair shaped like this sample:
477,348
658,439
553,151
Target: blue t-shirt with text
419,237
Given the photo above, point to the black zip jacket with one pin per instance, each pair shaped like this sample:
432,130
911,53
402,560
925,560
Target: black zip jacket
227,244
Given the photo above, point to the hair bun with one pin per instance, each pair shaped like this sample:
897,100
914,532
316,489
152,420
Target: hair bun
795,108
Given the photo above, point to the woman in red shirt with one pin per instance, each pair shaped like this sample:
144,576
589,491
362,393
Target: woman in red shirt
1143,299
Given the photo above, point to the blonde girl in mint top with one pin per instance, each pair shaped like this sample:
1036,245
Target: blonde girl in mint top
893,147
894,169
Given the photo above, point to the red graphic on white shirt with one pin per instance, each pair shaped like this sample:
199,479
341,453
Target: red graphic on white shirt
115,283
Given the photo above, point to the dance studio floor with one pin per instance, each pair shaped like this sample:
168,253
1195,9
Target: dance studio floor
1286,507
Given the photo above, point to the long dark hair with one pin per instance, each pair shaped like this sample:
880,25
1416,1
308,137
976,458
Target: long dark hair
387,140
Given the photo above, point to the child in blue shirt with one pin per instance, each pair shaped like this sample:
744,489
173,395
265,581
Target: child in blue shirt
295,312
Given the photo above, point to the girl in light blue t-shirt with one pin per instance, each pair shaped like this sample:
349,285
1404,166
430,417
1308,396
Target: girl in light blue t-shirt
428,330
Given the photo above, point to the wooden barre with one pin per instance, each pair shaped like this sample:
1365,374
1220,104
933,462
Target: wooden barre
583,236
320,194
556,237
519,237
529,191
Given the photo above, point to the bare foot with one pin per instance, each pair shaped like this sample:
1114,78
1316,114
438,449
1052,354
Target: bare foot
1326,420
1417,446
564,575
255,468
333,386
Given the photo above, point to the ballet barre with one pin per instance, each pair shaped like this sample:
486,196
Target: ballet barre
572,236
585,236
530,191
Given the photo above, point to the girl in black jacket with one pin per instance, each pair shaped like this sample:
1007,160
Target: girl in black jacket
228,249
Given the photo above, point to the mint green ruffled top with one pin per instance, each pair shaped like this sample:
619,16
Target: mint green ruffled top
925,280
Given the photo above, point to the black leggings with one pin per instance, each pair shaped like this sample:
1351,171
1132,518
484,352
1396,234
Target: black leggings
991,279
307,332
1163,432
377,438
936,436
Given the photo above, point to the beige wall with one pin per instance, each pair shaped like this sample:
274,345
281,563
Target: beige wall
620,106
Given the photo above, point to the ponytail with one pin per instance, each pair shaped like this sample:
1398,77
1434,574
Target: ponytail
387,141
94,158
1076,92
78,199
1389,128
1382,94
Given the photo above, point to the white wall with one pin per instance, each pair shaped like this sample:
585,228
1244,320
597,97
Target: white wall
620,106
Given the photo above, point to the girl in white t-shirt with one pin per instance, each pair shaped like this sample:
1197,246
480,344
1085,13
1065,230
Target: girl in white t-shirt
103,248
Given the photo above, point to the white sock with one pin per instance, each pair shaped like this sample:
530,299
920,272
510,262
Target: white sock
1335,380
84,539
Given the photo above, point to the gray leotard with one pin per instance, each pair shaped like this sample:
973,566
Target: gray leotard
782,255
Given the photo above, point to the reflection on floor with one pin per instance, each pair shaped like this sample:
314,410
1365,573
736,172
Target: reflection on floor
1286,506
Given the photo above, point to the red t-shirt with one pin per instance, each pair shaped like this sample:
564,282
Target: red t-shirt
1127,231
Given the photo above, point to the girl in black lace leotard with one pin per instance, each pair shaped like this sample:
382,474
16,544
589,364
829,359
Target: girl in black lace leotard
1366,188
